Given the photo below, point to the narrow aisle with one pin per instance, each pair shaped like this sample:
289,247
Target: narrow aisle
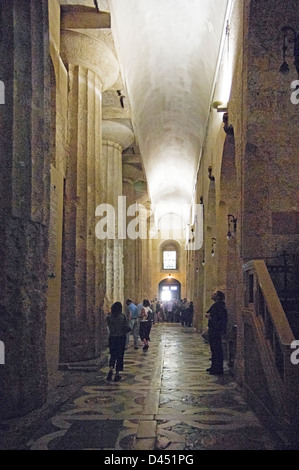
165,401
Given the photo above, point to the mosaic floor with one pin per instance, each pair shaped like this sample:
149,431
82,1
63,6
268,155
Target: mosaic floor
165,401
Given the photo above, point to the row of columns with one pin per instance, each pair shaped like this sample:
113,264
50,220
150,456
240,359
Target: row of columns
92,268
89,161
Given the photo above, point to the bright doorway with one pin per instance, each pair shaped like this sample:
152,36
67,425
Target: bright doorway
169,289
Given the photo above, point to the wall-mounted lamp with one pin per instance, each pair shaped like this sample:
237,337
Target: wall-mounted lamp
289,36
121,98
213,245
220,106
96,5
201,200
231,222
211,177
203,259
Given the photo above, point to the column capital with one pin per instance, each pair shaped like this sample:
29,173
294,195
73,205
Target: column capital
116,132
93,53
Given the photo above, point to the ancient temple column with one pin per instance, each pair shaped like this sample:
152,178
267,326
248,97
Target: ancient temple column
116,138
24,204
130,281
91,68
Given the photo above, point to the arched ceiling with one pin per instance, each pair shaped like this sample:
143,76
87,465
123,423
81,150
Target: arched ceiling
168,52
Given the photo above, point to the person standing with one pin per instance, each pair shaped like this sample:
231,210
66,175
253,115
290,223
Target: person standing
118,327
217,315
127,314
169,309
189,314
133,313
145,324
159,312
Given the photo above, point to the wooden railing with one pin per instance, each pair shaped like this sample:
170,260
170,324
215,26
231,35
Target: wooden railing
261,294
273,330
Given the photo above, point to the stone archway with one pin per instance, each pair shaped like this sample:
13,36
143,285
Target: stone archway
211,247
228,213
169,286
228,275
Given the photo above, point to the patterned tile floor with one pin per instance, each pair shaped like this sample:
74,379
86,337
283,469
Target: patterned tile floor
165,401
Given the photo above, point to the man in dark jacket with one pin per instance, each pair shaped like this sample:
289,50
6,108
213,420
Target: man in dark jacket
217,323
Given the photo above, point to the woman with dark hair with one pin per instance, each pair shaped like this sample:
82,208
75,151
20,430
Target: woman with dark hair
118,327
145,324
217,315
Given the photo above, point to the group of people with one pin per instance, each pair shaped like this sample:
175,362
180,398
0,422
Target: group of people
173,311
137,320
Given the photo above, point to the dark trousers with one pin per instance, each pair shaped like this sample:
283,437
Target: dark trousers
217,353
117,346
144,329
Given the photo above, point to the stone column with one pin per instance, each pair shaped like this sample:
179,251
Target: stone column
116,138
130,287
24,204
82,274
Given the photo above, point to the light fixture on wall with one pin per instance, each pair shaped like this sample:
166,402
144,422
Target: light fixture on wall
203,259
219,106
96,5
289,36
213,246
231,225
211,177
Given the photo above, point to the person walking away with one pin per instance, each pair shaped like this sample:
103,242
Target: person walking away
118,327
145,324
169,308
159,312
217,323
127,314
133,321
153,306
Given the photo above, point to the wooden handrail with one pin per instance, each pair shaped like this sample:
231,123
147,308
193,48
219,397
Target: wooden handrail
274,307
270,321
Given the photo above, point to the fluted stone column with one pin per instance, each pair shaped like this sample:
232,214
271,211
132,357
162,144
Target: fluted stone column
24,204
116,138
130,279
92,68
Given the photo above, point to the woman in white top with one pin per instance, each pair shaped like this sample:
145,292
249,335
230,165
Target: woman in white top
145,324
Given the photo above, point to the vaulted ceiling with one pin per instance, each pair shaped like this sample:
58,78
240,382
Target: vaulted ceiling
168,52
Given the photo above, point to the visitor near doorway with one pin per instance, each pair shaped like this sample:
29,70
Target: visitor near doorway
217,315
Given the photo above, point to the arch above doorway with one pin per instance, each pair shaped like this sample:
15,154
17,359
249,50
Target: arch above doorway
169,289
